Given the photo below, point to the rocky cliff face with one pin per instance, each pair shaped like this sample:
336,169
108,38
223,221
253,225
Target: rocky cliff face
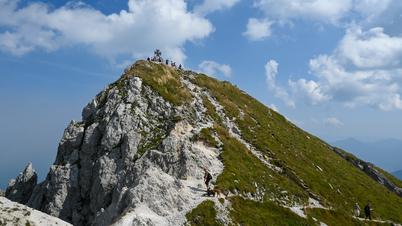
131,150
138,154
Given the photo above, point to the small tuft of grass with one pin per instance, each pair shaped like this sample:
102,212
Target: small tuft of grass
248,212
205,136
204,214
211,110
151,143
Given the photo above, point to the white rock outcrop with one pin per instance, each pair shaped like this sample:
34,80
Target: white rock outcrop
15,214
132,160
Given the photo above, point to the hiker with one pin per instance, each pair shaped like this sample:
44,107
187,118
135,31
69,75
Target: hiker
357,210
148,59
180,67
207,178
367,211
167,62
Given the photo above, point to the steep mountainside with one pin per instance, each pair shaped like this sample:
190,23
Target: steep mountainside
137,158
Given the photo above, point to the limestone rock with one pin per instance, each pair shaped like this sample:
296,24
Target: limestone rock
128,151
15,214
20,189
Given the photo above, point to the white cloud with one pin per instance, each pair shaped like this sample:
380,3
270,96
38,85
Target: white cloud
209,6
258,29
321,10
371,8
271,70
332,121
358,73
213,68
370,49
147,24
311,90
365,13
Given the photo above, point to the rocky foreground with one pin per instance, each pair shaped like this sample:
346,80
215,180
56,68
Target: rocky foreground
15,214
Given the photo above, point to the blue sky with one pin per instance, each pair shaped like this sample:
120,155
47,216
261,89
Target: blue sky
332,67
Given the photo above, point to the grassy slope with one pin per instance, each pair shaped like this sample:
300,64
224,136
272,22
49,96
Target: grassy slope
265,213
391,177
292,148
203,214
162,79
303,153
244,172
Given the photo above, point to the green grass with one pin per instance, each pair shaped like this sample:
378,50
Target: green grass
307,156
204,214
390,177
151,143
331,217
211,109
248,212
244,172
162,79
205,136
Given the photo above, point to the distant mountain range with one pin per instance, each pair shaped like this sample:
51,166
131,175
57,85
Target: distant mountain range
386,153
398,174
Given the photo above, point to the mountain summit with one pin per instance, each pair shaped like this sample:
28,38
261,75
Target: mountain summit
139,154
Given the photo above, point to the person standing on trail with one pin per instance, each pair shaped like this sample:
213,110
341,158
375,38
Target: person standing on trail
357,210
207,178
367,211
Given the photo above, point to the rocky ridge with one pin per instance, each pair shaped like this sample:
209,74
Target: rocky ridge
137,158
130,150
370,170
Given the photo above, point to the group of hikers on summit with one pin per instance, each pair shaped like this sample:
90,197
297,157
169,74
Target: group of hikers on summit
158,58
